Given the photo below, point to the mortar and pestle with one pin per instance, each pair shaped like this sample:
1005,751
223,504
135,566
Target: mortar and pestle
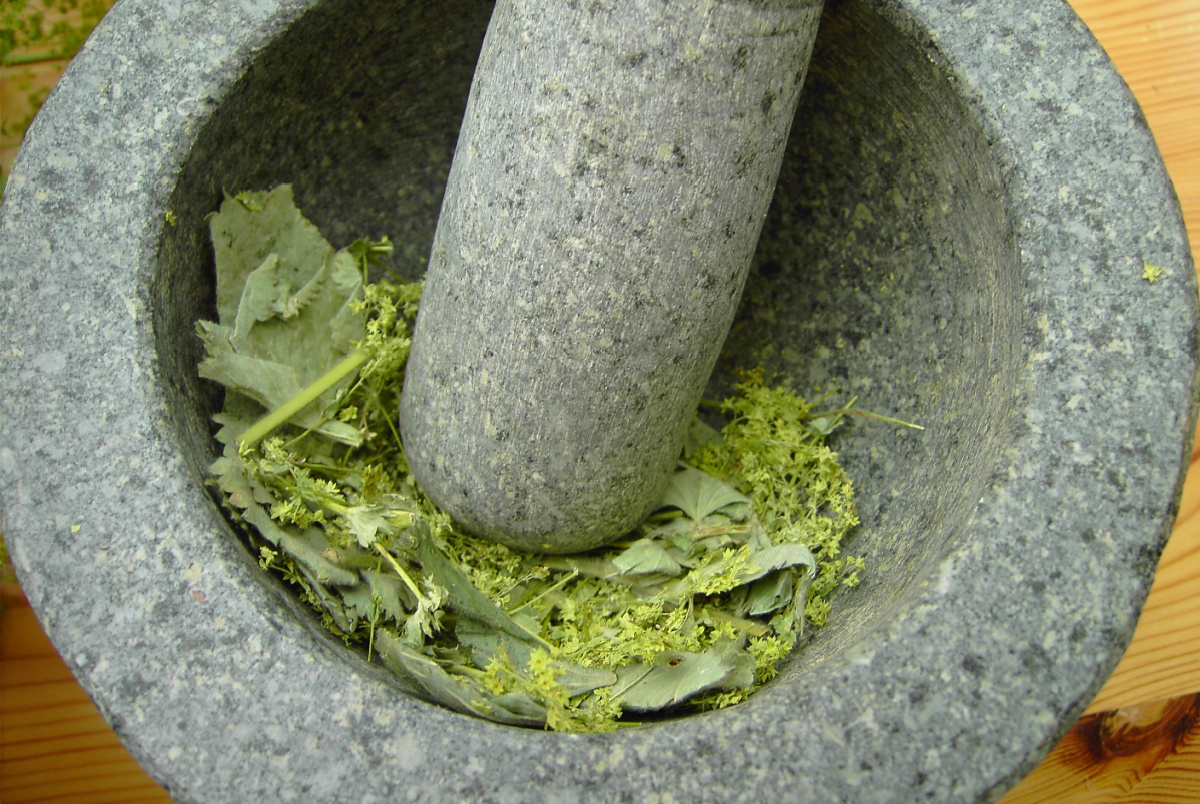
957,235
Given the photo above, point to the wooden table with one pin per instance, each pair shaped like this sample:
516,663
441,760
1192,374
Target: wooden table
1138,742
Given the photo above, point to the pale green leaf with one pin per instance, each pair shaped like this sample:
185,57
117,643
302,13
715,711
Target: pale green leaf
698,494
366,522
698,435
487,644
258,298
577,680
675,676
647,556
359,599
308,547
247,229
518,705
267,383
395,598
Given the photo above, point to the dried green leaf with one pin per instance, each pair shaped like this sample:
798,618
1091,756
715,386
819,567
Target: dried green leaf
770,593
464,598
781,556
487,644
394,597
521,707
698,435
577,679
309,546
675,676
454,692
516,639
366,522
272,343
268,383
252,226
647,556
699,494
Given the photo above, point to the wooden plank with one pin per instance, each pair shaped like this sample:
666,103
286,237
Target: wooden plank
70,782
39,770
37,696
21,635
64,718
41,725
60,747
1145,754
37,670
1163,660
1156,48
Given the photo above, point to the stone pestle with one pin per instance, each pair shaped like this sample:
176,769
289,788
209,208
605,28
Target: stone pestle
612,173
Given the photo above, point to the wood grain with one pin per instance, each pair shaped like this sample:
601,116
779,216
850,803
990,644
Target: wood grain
1163,660
1139,742
54,745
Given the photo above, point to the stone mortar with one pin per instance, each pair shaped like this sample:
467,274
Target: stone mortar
958,237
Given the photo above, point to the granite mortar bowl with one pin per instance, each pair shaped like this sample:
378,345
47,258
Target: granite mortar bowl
958,238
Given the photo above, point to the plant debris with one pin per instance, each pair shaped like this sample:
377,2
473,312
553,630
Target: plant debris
695,608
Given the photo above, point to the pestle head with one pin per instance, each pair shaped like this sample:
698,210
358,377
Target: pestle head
612,174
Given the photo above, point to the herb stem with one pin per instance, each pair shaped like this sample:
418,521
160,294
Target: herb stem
749,626
566,579
880,417
267,424
404,576
391,424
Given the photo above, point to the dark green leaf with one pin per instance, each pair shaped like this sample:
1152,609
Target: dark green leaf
463,597
770,593
451,691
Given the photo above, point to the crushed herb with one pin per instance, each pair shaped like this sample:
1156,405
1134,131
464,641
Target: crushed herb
697,607
1151,272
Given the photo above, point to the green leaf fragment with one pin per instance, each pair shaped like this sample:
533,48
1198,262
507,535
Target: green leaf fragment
770,593
698,435
647,556
675,676
450,691
698,494
252,226
465,599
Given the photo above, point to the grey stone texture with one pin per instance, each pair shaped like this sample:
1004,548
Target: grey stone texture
612,173
968,198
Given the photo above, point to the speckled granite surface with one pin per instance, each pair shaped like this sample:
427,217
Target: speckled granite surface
959,238
611,179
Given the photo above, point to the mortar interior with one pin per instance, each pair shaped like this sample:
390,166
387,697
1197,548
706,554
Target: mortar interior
886,266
